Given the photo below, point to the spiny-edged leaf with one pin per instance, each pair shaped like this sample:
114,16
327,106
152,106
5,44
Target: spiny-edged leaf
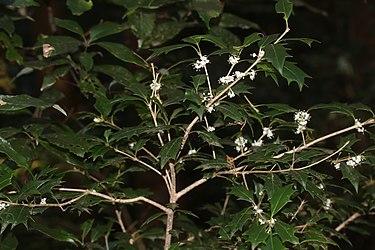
213,164
280,198
306,40
238,220
284,7
210,138
232,111
123,53
286,232
77,144
67,157
314,191
56,234
242,193
61,44
128,132
105,29
274,243
207,9
317,236
256,234
276,55
228,20
14,215
198,80
6,148
301,177
272,182
32,187
351,174
50,79
10,242
12,53
266,40
119,73
250,39
336,107
86,228
293,73
169,151
78,7
165,50
5,179
70,25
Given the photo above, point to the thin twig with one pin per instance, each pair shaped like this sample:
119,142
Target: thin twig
187,131
119,220
191,187
347,221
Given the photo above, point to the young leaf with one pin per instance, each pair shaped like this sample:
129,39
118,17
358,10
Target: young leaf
169,151
351,174
280,198
77,7
292,73
70,25
207,9
286,232
276,55
6,148
105,29
284,7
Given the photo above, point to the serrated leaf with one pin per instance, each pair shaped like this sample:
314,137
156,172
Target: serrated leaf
280,198
243,194
276,55
105,29
14,215
238,220
256,234
284,7
5,179
232,111
274,243
128,132
165,50
306,40
213,165
272,182
19,159
78,7
250,39
292,73
56,234
207,9
123,53
266,40
286,232
210,138
169,151
70,25
351,174
316,236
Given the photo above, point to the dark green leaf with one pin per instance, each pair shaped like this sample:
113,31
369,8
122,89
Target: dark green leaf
56,234
165,50
351,174
264,41
86,59
229,20
169,151
210,138
86,228
6,148
243,194
142,25
123,53
213,164
165,31
70,25
317,236
7,24
308,41
232,111
276,55
128,132
50,79
280,198
284,7
272,182
77,144
78,7
5,179
274,243
256,234
207,9
238,220
286,232
250,39
228,38
14,215
105,29
10,242
292,73
61,44
119,73
24,3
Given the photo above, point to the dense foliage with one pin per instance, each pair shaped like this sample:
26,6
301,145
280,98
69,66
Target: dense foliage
166,147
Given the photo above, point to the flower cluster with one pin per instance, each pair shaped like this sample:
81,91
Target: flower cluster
360,128
301,118
257,143
267,132
327,204
355,161
155,86
241,144
233,60
3,206
201,63
257,210
226,79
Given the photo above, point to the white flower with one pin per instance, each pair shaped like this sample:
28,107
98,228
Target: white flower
226,79
210,129
238,74
43,201
201,63
206,97
131,145
271,222
192,151
257,143
233,60
210,109
360,128
48,49
327,204
261,53
231,93
258,210
98,119
267,132
3,206
337,166
155,86
301,118
254,55
355,161
321,186
241,144
252,74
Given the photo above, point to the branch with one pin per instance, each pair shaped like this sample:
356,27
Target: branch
347,221
187,131
190,187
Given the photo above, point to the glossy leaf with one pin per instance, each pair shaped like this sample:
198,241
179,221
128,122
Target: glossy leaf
231,110
210,138
50,79
276,55
61,44
123,53
250,39
14,215
142,25
243,194
351,174
78,7
256,234
274,243
70,25
105,29
238,220
229,20
165,50
7,148
292,73
169,151
5,179
280,198
119,73
284,7
207,9
286,232
56,234
317,236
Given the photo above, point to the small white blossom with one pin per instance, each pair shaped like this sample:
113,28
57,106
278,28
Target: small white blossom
98,119
192,151
261,221
301,118
337,166
155,86
233,60
267,132
206,97
3,206
261,53
210,129
43,201
327,204
257,143
360,128
238,74
226,79
48,49
252,74
355,161
271,222
131,145
254,55
321,186
201,63
241,144
258,210
231,93
210,109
